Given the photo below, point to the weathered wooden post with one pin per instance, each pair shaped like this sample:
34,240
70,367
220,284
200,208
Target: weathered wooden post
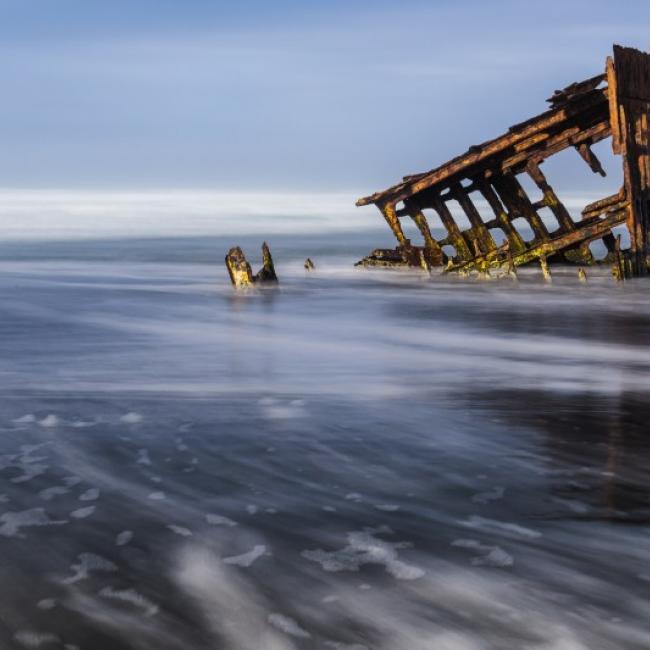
267,272
239,269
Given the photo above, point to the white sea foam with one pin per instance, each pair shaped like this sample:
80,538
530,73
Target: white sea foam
123,538
13,522
232,607
365,547
25,419
30,465
180,530
288,626
494,494
82,513
130,596
46,604
275,409
448,608
493,556
47,494
573,505
131,418
502,527
219,520
32,639
88,563
82,424
49,421
91,494
246,559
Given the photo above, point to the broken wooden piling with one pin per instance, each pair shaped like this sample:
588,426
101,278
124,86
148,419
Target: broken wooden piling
267,272
240,271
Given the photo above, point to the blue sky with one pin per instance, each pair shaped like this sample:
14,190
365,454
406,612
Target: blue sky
281,95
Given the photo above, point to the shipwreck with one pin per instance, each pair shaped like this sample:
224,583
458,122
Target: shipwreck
616,105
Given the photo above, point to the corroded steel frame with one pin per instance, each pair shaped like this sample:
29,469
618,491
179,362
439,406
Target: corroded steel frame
616,104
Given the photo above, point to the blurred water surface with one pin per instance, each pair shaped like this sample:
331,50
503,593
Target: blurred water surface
354,460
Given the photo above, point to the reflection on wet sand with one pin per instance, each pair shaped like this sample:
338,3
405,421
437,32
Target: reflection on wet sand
602,437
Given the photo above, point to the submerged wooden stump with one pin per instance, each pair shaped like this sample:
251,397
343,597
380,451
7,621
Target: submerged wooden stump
267,272
240,271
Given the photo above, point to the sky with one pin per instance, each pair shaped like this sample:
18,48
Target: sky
285,95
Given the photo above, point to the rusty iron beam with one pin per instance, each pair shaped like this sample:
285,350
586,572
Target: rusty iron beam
588,231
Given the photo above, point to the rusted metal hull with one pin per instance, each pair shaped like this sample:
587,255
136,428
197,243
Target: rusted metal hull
580,115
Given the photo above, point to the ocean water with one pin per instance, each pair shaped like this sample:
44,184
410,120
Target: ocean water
355,460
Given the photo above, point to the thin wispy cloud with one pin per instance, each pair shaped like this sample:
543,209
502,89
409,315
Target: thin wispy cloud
293,96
